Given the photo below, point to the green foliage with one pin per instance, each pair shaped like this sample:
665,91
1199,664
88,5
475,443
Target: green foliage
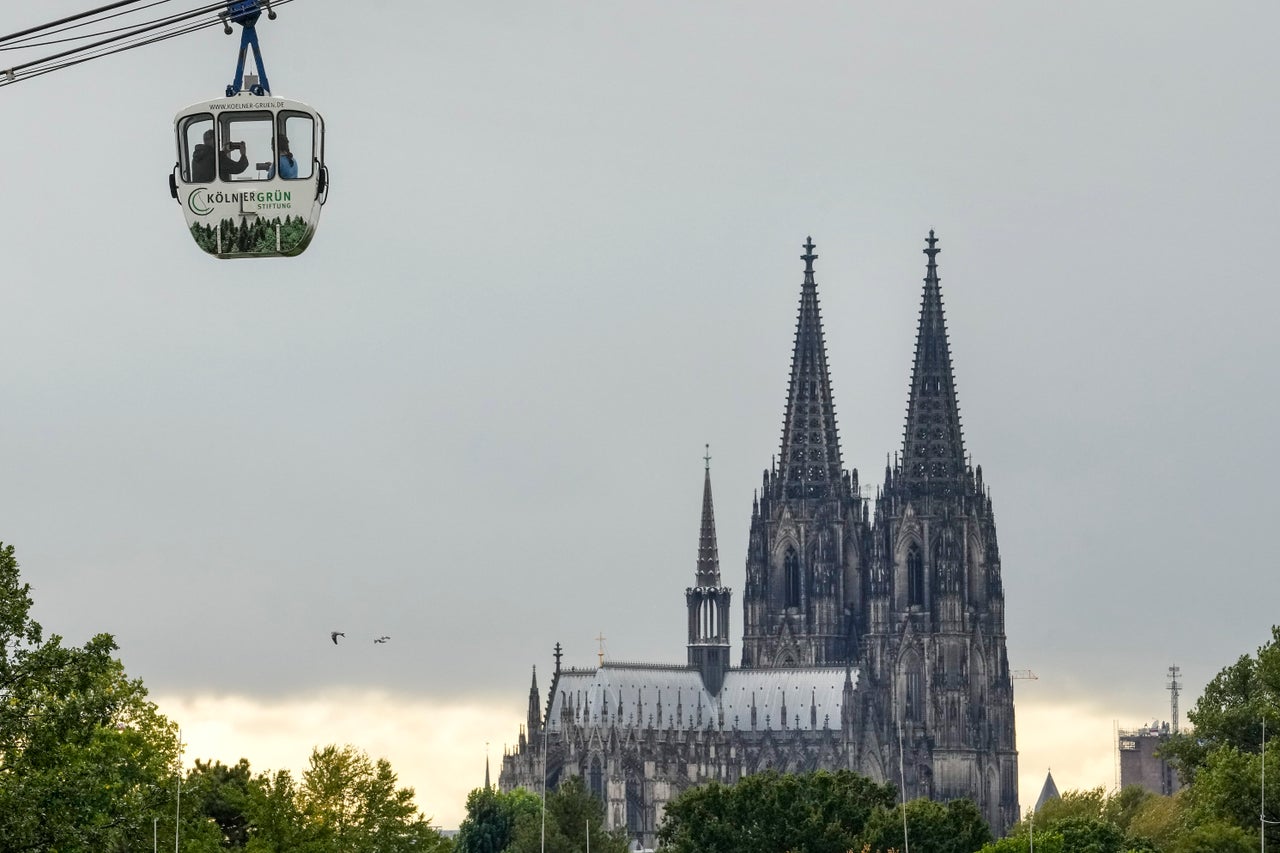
1161,820
274,814
1045,842
222,795
572,811
1090,804
1215,837
86,760
1089,835
953,827
1232,709
491,819
822,812
1121,808
350,804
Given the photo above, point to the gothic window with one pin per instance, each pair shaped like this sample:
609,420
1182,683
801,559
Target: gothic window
635,806
597,779
915,577
914,700
791,569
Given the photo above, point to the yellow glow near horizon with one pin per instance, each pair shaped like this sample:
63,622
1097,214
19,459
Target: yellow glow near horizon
438,748
435,748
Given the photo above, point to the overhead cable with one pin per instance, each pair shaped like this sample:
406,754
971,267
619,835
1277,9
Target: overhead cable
120,40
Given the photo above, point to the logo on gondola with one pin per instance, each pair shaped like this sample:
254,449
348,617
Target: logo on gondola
197,205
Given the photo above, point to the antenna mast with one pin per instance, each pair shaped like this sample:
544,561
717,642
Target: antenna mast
1174,687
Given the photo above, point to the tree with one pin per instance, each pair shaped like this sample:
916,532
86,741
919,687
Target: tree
1232,710
221,794
572,813
491,820
953,827
1122,807
1090,803
1215,837
1090,835
822,812
275,819
86,761
350,804
1045,842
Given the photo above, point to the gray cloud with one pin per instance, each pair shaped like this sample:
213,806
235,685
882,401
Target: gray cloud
561,253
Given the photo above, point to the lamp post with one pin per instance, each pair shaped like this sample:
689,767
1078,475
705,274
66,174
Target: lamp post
545,727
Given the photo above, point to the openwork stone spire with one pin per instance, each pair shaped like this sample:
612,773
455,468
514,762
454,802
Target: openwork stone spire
809,463
708,554
932,443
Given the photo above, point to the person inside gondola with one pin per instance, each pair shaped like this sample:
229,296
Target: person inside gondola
288,166
226,165
203,160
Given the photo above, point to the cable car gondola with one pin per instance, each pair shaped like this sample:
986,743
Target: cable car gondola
250,175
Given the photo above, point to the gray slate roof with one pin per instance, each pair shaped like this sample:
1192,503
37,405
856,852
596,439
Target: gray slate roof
629,695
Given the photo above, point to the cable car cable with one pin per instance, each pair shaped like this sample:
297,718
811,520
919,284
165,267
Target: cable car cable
88,14
25,43
153,25
72,56
120,49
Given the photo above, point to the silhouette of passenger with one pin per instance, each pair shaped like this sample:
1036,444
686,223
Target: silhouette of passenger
202,160
226,165
288,167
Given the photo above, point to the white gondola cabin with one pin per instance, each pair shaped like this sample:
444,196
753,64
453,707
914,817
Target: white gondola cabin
250,174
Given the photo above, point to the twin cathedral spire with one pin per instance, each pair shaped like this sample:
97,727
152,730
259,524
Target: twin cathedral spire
820,575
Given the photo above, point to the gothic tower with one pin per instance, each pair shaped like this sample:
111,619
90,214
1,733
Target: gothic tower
708,601
935,643
805,551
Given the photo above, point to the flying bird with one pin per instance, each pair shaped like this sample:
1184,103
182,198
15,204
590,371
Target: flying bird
334,635
382,639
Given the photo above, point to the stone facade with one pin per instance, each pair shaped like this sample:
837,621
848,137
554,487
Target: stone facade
873,634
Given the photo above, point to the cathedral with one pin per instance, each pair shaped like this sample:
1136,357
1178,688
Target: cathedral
873,629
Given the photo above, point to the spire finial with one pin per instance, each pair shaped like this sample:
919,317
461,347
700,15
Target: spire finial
707,457
558,654
933,249
808,257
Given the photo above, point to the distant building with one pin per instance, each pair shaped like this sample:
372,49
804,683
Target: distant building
1140,763
873,636
1048,792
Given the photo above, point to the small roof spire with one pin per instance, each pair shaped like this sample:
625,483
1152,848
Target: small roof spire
708,570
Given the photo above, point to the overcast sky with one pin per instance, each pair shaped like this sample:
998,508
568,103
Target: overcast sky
561,254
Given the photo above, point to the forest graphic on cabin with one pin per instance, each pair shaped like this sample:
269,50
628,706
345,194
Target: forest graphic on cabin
254,236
